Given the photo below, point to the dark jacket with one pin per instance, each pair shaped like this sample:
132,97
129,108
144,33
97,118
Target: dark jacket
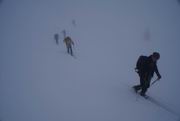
146,67
68,41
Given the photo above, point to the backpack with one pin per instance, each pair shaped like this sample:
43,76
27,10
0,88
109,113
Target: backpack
140,62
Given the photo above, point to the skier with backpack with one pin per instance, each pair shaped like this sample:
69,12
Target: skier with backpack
145,67
68,41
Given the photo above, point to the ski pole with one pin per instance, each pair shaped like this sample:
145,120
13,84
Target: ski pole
74,51
154,81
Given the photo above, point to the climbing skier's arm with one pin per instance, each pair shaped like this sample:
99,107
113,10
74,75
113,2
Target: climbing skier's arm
157,72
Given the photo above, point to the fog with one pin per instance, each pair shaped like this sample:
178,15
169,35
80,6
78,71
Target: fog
39,81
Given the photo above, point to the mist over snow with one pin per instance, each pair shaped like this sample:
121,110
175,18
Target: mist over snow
39,81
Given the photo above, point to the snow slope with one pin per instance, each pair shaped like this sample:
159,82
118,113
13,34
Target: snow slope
39,81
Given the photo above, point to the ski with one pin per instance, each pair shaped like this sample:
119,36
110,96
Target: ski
139,94
155,102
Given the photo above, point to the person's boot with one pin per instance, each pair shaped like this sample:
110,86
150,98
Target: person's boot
135,89
144,95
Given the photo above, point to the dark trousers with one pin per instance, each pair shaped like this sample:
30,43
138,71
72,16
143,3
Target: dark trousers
57,42
144,84
69,49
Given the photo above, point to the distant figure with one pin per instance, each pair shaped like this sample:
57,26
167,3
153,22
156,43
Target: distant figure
147,35
56,37
145,67
68,41
74,23
64,33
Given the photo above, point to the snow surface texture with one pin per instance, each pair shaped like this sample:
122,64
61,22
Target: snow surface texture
39,81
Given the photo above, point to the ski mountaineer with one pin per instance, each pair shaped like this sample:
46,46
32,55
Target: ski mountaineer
56,37
68,41
145,67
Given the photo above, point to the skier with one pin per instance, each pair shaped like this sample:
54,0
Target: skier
56,37
68,41
145,67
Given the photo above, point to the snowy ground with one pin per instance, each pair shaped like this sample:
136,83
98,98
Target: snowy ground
39,81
